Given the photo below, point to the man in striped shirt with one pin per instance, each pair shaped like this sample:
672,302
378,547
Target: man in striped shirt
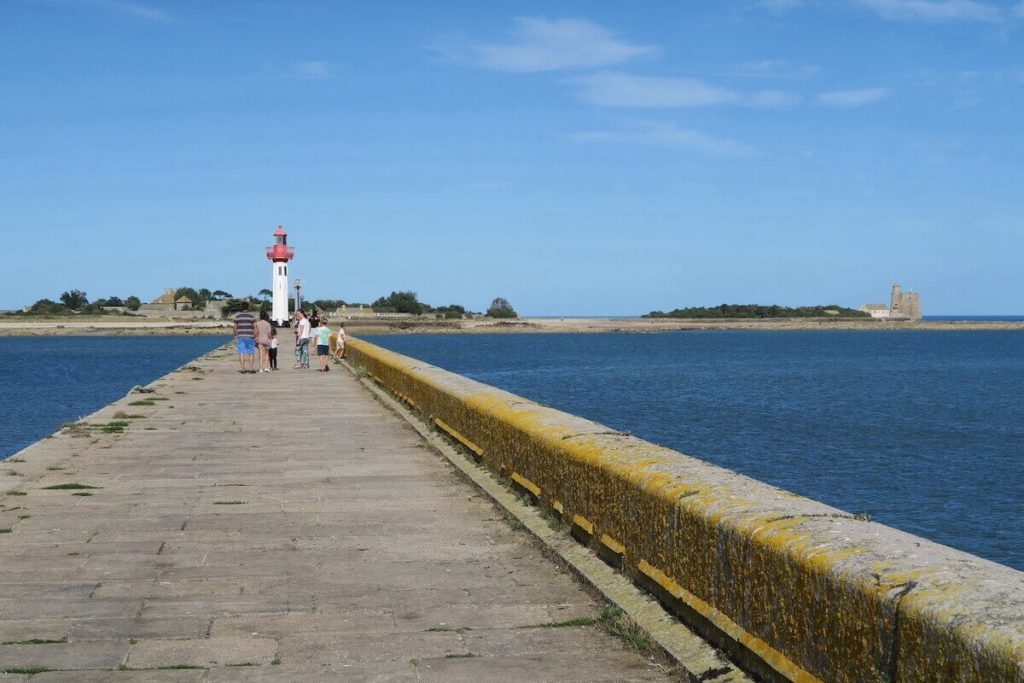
245,338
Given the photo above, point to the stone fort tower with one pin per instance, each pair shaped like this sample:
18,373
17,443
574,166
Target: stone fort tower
904,306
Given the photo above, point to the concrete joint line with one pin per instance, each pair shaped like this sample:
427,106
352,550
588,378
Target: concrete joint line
894,661
700,660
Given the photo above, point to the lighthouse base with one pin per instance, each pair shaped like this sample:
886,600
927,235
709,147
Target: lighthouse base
279,314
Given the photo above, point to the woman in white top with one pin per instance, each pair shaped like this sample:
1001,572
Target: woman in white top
301,340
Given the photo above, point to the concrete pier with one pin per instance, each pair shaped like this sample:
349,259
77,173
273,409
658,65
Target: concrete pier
792,589
283,525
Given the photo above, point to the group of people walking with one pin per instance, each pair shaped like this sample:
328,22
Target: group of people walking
254,334
313,329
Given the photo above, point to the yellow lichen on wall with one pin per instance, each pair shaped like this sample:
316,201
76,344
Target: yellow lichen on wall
810,590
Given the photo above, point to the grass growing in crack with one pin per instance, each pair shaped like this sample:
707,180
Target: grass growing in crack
463,656
5,531
447,629
35,641
16,460
121,415
71,485
568,623
76,429
24,516
132,641
142,402
114,427
512,520
15,493
26,670
275,661
54,469
229,502
243,664
552,518
171,667
615,622
82,493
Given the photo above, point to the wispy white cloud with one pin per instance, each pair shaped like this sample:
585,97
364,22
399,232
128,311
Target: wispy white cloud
773,68
133,9
912,10
611,89
540,44
312,71
615,89
852,98
669,136
990,78
934,10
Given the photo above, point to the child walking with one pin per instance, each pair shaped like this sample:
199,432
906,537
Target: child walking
273,348
322,334
339,345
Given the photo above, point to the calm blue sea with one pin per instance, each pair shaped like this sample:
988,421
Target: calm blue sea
47,381
922,430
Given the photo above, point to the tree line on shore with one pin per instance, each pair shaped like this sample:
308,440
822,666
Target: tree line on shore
76,302
759,311
396,302
408,302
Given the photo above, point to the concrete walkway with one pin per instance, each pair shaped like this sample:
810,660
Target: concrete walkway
284,525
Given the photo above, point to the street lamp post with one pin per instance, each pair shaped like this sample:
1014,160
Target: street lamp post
298,294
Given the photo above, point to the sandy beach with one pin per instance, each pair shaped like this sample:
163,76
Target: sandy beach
31,327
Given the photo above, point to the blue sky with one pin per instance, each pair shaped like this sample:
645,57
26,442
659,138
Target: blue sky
573,157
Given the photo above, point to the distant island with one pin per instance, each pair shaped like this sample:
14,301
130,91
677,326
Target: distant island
725,311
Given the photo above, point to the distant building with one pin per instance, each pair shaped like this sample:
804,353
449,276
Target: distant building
350,312
183,308
902,306
876,310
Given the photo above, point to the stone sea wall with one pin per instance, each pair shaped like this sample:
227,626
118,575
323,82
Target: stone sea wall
791,588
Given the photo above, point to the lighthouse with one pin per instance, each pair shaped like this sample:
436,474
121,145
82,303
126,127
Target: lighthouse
280,254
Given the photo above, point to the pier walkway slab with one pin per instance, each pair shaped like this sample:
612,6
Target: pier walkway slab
286,525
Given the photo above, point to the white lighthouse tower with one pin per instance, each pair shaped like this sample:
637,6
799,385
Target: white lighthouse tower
280,254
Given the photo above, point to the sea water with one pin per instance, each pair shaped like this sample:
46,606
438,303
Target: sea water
48,381
921,430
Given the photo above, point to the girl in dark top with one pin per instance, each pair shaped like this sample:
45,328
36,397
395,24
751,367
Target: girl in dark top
272,351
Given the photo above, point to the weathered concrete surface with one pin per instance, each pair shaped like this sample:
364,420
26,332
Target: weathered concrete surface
285,525
796,589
